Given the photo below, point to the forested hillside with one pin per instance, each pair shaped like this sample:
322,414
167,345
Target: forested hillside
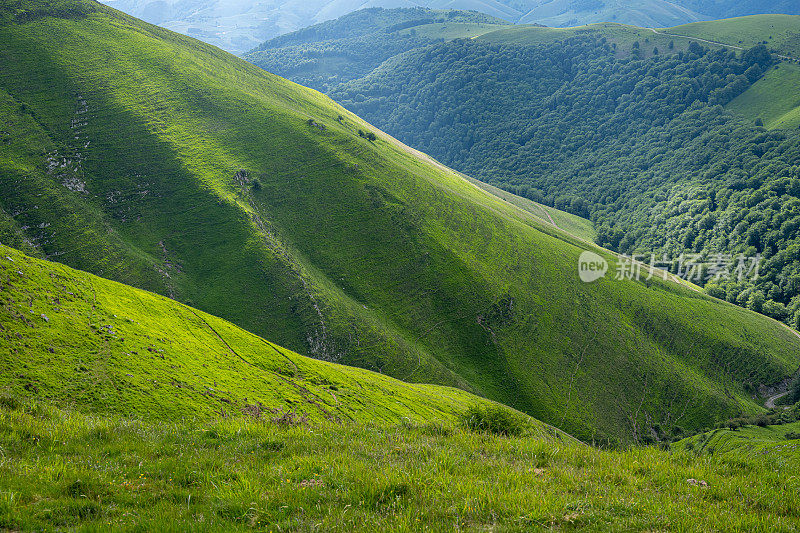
641,142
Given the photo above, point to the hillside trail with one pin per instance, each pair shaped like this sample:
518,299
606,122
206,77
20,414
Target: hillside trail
699,40
770,404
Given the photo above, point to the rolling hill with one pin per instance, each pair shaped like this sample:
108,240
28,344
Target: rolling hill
647,13
75,340
238,26
155,160
778,32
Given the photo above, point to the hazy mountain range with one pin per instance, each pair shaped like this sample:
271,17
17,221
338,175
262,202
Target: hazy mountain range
240,25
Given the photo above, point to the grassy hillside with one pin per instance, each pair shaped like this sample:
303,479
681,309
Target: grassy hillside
62,470
155,160
572,224
778,32
622,37
595,123
779,442
774,99
74,339
453,30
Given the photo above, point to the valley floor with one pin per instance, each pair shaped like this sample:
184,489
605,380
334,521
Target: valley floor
61,470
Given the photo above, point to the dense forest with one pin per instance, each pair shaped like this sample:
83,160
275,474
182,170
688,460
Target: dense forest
643,147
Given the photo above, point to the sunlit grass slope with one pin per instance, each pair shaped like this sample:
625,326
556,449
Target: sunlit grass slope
621,36
451,30
778,442
72,338
63,470
572,224
775,98
155,160
780,32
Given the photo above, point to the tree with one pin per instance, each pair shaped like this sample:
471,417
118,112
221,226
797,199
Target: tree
756,301
758,55
775,310
794,390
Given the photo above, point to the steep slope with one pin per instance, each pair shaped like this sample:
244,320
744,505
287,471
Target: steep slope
71,338
624,125
156,160
774,99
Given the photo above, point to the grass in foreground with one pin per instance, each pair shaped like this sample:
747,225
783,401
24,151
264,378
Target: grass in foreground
62,470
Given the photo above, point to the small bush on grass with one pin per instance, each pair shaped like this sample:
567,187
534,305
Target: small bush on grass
494,419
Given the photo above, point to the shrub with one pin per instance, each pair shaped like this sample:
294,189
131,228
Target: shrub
794,391
494,419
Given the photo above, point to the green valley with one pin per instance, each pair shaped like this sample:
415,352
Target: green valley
155,160
327,54
230,303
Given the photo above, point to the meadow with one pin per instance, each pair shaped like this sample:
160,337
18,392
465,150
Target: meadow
64,470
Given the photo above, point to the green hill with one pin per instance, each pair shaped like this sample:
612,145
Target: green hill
74,339
778,32
572,224
774,98
155,160
622,37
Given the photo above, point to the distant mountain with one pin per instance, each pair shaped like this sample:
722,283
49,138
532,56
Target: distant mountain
718,9
240,25
647,13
